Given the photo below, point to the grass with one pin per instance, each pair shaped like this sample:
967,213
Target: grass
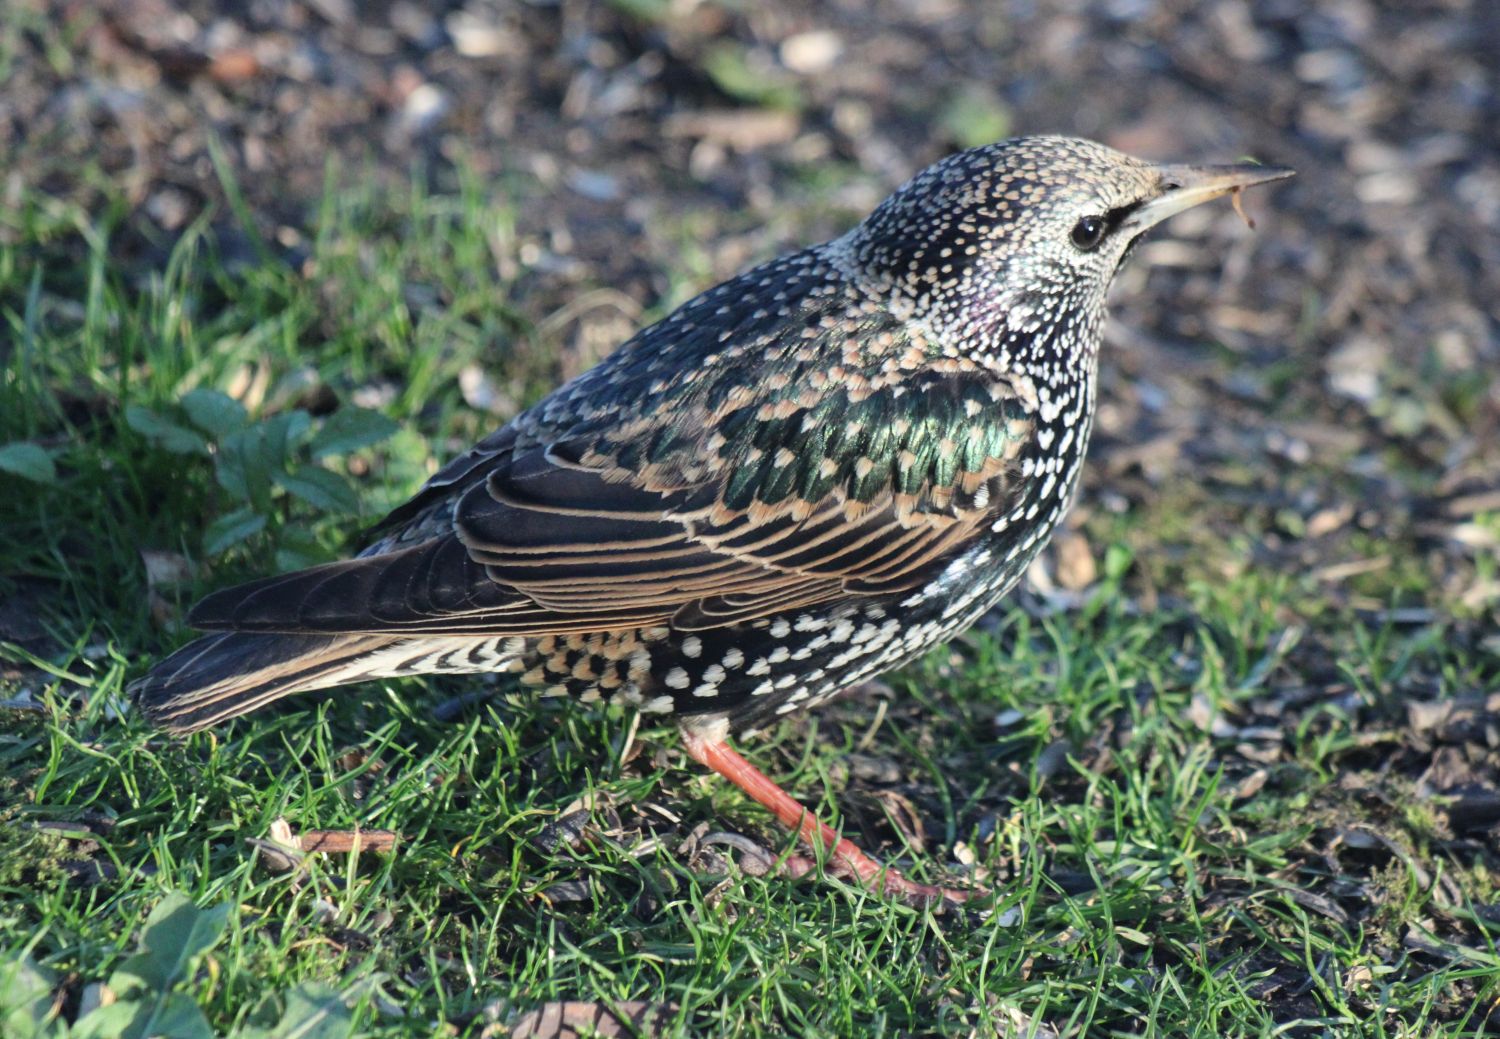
1199,814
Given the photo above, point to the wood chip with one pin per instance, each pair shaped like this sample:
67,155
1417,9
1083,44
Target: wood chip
576,1019
348,842
332,842
742,131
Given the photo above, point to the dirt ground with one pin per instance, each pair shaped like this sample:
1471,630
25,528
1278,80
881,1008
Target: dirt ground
1351,395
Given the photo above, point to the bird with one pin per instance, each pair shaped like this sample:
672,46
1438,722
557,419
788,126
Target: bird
802,478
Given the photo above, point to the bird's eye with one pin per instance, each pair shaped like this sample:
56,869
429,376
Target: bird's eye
1089,232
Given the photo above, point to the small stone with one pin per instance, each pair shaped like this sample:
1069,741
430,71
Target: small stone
809,53
423,109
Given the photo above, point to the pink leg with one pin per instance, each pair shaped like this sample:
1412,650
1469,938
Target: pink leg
727,762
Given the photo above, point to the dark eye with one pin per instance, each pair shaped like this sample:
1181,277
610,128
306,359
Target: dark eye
1089,232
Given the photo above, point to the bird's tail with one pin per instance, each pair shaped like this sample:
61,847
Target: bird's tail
222,676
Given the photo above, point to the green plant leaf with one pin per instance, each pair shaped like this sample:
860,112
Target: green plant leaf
349,429
28,460
174,933
298,547
280,433
232,528
175,1015
976,116
311,1011
731,68
648,11
1117,560
164,433
245,464
217,414
320,488
116,1021
25,1000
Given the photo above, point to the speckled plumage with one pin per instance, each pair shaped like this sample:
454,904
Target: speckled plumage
801,478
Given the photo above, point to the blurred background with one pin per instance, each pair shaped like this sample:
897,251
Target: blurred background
656,146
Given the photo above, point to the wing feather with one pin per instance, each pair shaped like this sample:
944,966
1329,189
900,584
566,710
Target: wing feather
728,502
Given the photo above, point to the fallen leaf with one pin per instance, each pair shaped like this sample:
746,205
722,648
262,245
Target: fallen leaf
166,568
1076,569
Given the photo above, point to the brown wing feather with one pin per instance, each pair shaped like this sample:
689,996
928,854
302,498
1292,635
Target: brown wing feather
536,548
728,463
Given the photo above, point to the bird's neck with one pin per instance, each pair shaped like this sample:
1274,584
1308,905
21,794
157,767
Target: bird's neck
1049,332
1045,345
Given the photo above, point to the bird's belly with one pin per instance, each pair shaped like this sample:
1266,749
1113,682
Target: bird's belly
801,660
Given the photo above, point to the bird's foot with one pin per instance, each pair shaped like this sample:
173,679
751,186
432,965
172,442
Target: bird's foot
845,859
885,879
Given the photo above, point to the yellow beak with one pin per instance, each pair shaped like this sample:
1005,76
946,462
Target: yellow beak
1183,187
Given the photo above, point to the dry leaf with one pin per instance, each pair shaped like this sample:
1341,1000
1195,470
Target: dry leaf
166,568
1076,569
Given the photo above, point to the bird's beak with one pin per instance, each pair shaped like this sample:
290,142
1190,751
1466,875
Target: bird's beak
1183,187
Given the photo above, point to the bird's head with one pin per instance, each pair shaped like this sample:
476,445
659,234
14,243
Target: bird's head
1000,244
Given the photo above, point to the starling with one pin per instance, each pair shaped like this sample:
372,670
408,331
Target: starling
800,479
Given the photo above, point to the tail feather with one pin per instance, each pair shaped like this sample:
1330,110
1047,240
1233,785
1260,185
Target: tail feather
225,675
232,673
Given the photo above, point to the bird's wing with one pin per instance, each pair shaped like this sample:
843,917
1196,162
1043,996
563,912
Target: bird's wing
709,514
779,441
